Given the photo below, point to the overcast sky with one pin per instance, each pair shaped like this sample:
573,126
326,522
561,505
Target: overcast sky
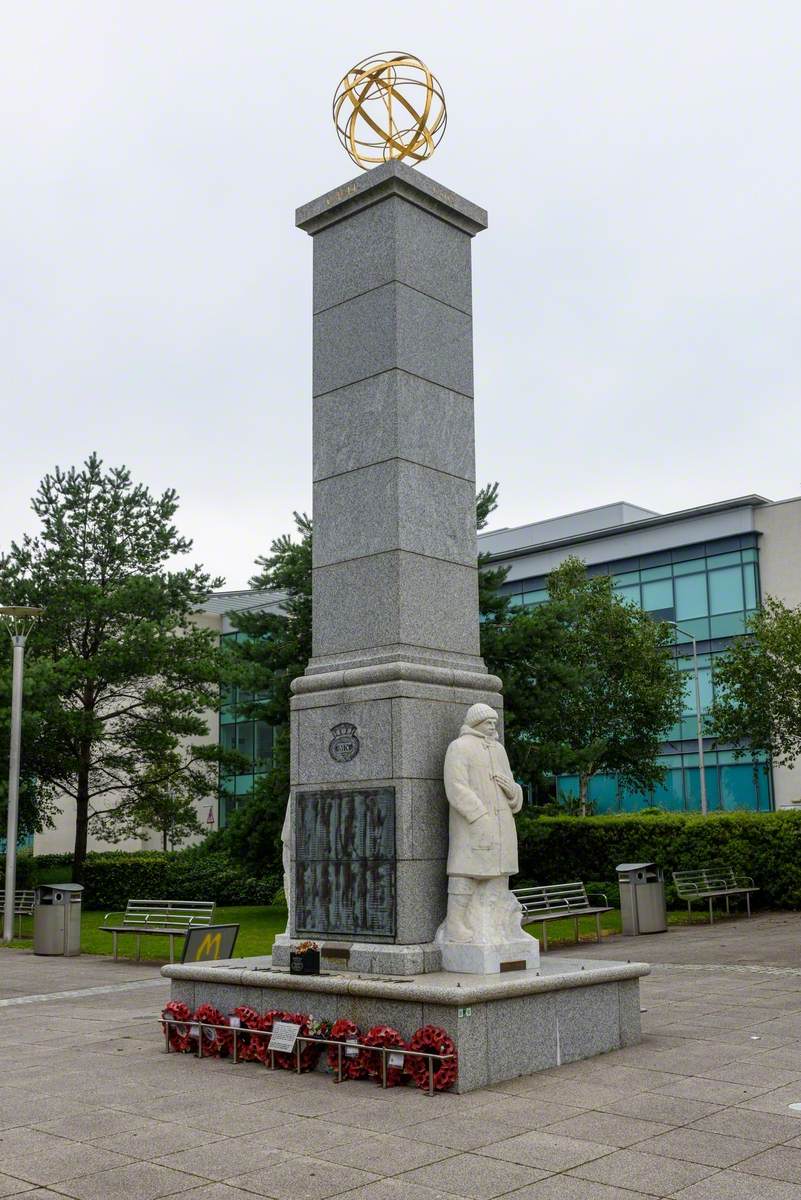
637,297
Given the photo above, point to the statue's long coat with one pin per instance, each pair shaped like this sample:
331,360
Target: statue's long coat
483,836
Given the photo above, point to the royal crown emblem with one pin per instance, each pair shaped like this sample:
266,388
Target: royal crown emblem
344,745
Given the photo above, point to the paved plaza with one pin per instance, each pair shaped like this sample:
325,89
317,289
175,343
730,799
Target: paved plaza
92,1108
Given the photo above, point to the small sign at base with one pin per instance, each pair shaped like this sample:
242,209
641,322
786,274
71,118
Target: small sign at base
283,1036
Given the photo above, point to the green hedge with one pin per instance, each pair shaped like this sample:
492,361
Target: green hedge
114,877
766,846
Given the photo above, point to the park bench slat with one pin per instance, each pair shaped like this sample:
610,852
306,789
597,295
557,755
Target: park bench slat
709,883
23,905
158,917
553,901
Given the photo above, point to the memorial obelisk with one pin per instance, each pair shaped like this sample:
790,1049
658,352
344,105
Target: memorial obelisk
396,657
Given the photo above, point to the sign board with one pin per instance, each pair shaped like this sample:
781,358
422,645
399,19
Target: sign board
207,943
345,862
283,1036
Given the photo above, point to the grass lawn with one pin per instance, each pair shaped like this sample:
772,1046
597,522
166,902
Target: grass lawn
259,925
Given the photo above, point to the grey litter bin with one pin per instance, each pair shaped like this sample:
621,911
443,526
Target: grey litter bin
57,918
642,898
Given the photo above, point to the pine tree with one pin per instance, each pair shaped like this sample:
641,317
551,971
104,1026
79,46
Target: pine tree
120,676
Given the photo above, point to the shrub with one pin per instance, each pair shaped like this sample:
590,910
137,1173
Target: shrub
112,878
766,846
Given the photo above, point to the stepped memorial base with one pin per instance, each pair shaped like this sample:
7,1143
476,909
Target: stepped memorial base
503,1025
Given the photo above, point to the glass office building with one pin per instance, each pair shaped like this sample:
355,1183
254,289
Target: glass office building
253,739
709,589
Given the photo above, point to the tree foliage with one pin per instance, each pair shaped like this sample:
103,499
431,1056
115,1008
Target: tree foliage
758,687
120,677
590,684
150,804
275,649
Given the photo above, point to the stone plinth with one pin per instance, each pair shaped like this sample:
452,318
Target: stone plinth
396,659
503,1025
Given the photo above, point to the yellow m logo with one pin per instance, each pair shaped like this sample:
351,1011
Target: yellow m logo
210,947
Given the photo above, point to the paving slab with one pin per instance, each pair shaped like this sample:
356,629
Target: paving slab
729,1185
140,1181
546,1151
748,1123
642,1172
782,1162
564,1187
387,1155
608,1128
395,1189
698,1110
158,1139
657,1106
699,1146
13,1187
473,1176
303,1178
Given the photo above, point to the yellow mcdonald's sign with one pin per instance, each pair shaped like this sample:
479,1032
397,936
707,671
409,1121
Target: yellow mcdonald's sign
210,947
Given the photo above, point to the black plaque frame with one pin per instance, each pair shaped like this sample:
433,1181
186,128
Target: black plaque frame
345,863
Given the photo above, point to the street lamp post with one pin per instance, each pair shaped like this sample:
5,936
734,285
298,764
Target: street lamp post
19,622
702,771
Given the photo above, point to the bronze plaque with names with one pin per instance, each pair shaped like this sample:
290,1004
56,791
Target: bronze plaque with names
345,862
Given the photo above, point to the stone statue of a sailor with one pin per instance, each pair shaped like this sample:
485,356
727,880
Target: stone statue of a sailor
482,928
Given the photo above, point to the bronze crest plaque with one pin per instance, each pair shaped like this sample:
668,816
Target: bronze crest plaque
345,862
344,745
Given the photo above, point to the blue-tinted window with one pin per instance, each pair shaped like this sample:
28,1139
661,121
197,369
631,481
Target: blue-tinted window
725,591
705,688
657,595
630,594
670,793
690,596
689,567
729,625
698,629
602,791
567,786
737,788
749,579
264,743
692,787
723,560
252,739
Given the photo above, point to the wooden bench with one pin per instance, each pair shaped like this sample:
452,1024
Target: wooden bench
169,918
555,901
710,883
23,906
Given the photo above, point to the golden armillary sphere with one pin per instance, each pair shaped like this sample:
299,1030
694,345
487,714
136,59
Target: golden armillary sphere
389,106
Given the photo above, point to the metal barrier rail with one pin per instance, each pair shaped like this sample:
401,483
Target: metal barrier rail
305,1039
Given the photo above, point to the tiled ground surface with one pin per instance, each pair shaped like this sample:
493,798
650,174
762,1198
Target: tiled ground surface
92,1108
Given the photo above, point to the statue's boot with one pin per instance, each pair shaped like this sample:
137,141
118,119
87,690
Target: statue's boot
457,929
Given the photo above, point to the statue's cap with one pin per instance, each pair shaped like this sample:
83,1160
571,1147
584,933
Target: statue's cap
478,713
